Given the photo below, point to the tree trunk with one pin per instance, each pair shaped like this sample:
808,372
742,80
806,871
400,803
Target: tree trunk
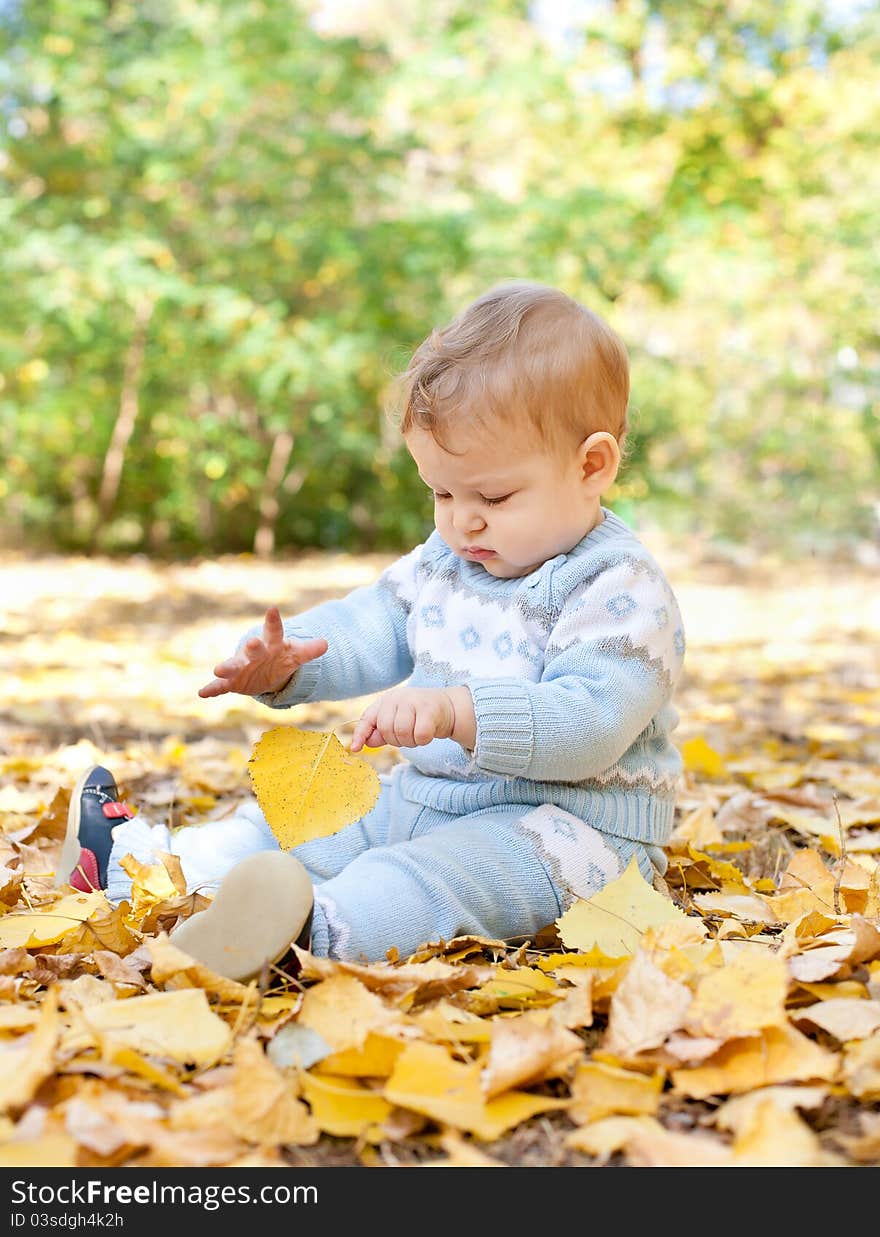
264,541
127,415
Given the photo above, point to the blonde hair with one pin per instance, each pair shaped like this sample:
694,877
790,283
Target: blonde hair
523,353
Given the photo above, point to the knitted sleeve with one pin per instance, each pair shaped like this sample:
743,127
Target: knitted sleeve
612,660
366,633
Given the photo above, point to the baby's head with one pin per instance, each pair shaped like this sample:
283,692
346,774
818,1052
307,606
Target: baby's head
515,414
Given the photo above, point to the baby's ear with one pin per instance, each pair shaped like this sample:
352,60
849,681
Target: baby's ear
600,460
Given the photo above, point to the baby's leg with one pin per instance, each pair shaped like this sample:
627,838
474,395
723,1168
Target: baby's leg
503,873
208,851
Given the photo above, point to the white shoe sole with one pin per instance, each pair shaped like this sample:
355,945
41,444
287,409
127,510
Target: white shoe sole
258,911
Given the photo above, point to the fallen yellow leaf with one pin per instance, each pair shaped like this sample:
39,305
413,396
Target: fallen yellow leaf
699,757
343,1012
266,1108
744,995
179,1025
345,1108
646,1007
427,1080
374,1059
49,924
776,1137
845,1018
45,1151
601,1090
31,1059
861,1068
778,1054
307,785
526,1049
614,920
608,1135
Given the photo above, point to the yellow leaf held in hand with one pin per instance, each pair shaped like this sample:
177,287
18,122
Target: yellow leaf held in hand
307,785
617,916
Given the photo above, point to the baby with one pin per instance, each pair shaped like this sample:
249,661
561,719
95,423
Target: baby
523,658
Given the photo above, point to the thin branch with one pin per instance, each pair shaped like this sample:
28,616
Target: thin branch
841,862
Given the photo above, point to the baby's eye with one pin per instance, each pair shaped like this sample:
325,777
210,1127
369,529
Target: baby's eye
493,502
440,497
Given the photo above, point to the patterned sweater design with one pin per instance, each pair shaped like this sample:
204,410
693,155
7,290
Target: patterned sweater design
572,670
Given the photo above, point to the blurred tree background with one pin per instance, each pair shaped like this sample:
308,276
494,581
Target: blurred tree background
225,224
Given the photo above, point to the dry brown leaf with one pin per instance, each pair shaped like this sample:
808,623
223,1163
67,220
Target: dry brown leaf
266,1108
421,982
172,969
527,1049
646,1007
343,1012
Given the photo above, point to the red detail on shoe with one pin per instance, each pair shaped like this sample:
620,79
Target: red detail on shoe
87,878
117,811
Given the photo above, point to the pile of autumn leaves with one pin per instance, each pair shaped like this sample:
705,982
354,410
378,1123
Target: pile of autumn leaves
710,1023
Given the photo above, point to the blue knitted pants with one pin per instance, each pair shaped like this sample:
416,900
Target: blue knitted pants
407,874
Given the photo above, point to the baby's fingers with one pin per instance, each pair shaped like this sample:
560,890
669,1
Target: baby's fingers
216,687
307,650
364,730
273,628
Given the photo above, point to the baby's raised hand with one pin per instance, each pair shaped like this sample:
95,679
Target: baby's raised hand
263,664
414,716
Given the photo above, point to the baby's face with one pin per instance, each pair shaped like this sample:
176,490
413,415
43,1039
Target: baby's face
505,501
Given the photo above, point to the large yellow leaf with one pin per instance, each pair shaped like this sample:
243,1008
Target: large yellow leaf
616,917
307,785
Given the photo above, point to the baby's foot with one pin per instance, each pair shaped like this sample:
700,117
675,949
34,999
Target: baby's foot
94,811
262,906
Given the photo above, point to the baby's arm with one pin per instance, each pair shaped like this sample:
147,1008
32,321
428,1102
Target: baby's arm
348,647
263,663
611,664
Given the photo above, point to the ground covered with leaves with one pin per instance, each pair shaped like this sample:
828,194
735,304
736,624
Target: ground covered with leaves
736,1020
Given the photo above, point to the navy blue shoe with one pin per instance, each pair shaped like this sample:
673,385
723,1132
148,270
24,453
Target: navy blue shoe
94,810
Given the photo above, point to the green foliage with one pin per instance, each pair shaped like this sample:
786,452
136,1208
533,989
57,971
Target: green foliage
224,225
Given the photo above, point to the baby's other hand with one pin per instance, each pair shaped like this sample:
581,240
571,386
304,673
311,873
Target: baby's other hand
411,717
263,664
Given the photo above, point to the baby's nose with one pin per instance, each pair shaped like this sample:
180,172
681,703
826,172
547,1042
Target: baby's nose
469,520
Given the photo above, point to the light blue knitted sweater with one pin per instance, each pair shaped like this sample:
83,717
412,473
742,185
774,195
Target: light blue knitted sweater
571,668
